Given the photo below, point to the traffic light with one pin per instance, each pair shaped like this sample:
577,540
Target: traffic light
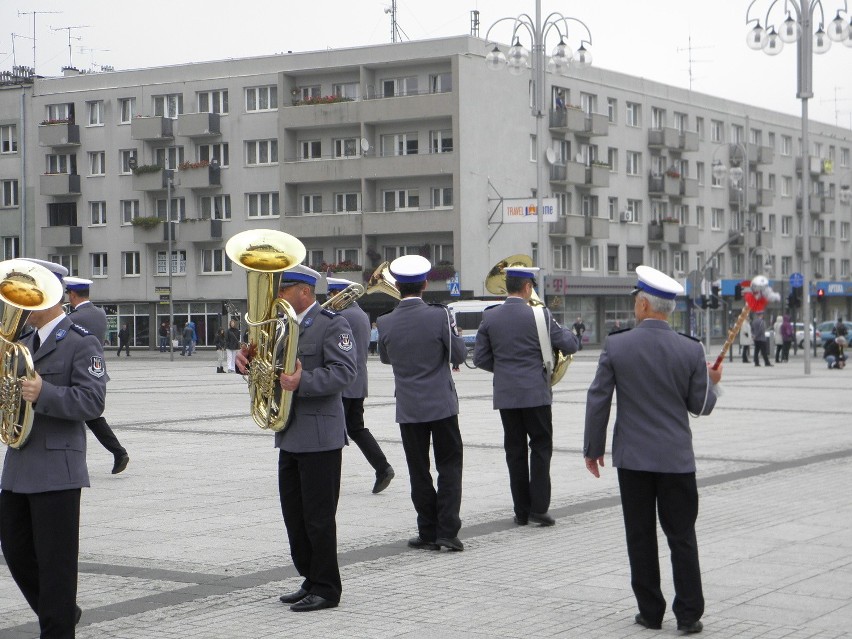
738,292
704,302
793,299
820,294
714,296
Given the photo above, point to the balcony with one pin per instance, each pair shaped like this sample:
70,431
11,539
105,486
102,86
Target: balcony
568,173
827,244
688,234
664,138
580,227
765,197
156,234
741,239
689,141
405,107
198,125
815,204
197,230
369,167
596,176
594,125
814,163
151,128
326,225
664,185
59,184
61,236
815,243
565,120
735,195
59,135
765,155
419,221
765,239
203,177
668,232
151,180
826,204
689,187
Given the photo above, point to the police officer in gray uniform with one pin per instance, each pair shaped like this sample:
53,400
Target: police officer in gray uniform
507,344
94,320
354,394
661,377
309,459
41,482
420,342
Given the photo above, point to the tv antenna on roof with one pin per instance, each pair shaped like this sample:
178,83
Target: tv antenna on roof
34,14
68,29
396,31
692,60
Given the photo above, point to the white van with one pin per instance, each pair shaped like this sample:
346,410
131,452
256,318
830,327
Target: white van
468,315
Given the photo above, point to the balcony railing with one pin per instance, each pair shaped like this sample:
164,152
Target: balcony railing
155,127
580,227
664,185
568,173
61,236
668,232
203,177
200,230
59,135
59,184
198,125
567,119
151,181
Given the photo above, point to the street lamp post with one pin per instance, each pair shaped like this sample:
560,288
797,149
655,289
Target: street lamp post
170,232
517,59
772,41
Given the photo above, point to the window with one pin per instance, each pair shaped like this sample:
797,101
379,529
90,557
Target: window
634,114
97,163
68,261
443,254
352,255
8,138
9,193
658,118
611,109
440,82
844,231
589,259
215,261
11,247
60,112
99,264
308,93
124,161
347,202
310,150
786,225
589,205
169,157
314,258
442,197
612,208
737,133
260,152
612,159
771,140
311,204
176,208
399,86
634,163
589,103
129,210
216,207
61,164
679,261
262,98
62,214
178,263
126,110
717,131
130,264
699,217
786,186
681,121
262,204
346,147
699,127
399,144
658,260
844,157
844,268
213,101
393,252
441,141
612,258
533,149
347,90
96,112
562,257
634,208
169,106
218,152
401,200
786,145
98,213
699,173
717,219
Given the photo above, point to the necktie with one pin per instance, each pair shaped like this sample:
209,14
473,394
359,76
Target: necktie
36,342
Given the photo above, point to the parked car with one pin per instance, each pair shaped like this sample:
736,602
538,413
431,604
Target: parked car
825,331
800,333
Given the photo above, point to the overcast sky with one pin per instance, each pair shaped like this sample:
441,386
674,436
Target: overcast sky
647,38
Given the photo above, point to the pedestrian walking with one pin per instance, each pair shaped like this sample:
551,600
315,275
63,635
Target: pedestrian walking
123,341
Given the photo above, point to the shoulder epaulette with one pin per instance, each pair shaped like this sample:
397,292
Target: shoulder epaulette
328,312
694,339
79,329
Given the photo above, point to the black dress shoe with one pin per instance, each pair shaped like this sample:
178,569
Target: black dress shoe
690,628
383,480
542,519
450,544
293,597
312,602
120,464
647,624
421,544
519,521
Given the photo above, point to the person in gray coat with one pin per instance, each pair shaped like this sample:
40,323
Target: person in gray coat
93,319
41,483
309,458
758,334
354,394
420,342
661,377
508,345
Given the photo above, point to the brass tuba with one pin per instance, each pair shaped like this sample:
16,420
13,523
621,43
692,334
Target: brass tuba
344,298
24,287
495,283
265,253
381,281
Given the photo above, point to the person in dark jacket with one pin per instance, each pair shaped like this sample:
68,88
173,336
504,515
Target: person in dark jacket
123,340
219,343
232,345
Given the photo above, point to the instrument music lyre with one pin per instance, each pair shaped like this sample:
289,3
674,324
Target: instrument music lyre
24,287
265,253
495,283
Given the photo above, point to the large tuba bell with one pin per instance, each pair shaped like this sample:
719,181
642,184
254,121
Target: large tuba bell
273,340
495,283
381,281
24,287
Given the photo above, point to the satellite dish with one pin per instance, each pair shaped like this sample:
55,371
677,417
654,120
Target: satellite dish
550,155
365,145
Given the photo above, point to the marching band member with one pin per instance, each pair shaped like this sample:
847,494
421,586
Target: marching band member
420,343
354,394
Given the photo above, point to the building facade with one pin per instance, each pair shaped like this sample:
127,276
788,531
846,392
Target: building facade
370,153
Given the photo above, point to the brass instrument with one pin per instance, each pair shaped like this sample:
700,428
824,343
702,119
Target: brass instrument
344,298
24,287
495,283
264,254
381,281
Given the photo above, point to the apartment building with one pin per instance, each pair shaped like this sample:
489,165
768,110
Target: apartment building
370,153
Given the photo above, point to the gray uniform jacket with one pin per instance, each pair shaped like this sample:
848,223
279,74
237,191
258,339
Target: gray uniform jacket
92,318
327,353
507,344
417,340
71,365
661,376
359,322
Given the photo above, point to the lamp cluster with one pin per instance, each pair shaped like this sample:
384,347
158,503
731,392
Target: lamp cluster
518,57
772,41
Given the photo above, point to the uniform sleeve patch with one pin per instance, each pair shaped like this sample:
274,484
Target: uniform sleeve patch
344,342
97,368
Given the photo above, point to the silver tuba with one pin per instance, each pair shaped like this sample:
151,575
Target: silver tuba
273,340
24,287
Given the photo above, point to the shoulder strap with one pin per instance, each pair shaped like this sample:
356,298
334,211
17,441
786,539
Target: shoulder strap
543,338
